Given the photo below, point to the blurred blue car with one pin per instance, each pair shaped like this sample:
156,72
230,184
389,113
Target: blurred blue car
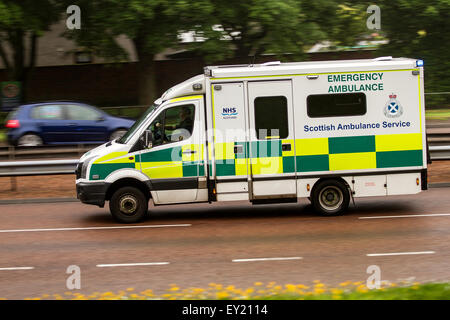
63,123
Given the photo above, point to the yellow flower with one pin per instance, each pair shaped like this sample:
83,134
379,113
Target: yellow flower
344,284
362,288
222,295
319,291
290,287
336,291
258,284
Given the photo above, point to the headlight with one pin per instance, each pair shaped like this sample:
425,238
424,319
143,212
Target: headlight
78,170
84,167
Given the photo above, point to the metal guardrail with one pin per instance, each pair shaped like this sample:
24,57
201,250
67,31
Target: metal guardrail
57,167
36,168
440,152
40,152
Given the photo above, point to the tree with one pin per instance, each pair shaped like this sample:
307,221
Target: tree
22,22
226,29
420,29
246,29
151,25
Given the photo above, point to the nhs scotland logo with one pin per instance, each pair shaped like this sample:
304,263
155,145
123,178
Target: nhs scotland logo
229,113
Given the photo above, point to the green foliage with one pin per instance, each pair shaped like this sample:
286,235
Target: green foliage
28,15
152,25
420,29
21,22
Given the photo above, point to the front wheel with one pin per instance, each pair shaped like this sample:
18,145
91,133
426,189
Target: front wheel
330,198
128,205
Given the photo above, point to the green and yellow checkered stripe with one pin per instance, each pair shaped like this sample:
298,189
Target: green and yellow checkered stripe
165,163
267,157
321,154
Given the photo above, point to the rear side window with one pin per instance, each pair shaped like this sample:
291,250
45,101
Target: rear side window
12,115
271,117
48,112
336,105
76,112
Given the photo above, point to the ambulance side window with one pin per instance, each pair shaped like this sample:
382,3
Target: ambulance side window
336,105
271,117
173,124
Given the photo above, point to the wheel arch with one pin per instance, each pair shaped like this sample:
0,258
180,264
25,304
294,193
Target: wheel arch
127,182
335,178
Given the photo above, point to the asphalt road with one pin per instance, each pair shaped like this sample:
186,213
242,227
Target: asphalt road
408,237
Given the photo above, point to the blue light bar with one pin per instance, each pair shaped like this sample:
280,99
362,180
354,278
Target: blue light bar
419,63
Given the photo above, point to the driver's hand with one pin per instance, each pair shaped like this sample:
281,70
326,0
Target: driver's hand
158,125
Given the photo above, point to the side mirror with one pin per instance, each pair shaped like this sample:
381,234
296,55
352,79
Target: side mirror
148,139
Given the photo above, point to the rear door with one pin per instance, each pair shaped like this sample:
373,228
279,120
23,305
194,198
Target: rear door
86,124
272,139
51,122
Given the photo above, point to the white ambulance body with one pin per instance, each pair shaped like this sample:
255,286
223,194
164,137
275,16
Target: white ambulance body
274,132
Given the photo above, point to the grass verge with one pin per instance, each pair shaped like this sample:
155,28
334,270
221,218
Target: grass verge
272,291
438,114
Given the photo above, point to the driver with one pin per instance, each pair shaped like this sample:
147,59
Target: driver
185,121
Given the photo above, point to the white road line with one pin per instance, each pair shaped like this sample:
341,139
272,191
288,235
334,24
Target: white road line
96,228
16,268
132,264
267,259
408,216
399,253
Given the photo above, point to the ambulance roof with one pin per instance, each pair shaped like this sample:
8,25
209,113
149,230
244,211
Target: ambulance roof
309,67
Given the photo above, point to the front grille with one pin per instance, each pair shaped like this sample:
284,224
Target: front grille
78,170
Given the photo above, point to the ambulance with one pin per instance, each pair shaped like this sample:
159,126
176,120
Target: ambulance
328,131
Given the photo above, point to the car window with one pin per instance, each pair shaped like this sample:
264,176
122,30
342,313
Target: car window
173,124
77,112
12,115
47,112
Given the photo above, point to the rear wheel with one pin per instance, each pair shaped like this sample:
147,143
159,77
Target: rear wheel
128,205
330,197
29,140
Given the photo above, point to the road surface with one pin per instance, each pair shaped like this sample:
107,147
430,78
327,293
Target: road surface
193,245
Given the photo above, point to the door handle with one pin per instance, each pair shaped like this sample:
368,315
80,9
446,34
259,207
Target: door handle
286,147
72,124
189,152
238,149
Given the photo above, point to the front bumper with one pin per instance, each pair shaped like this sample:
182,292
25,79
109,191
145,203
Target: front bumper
92,193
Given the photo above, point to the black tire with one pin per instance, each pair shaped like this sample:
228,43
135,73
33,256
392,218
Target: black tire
128,205
330,198
29,140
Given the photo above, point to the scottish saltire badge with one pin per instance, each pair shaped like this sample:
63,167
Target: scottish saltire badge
393,108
